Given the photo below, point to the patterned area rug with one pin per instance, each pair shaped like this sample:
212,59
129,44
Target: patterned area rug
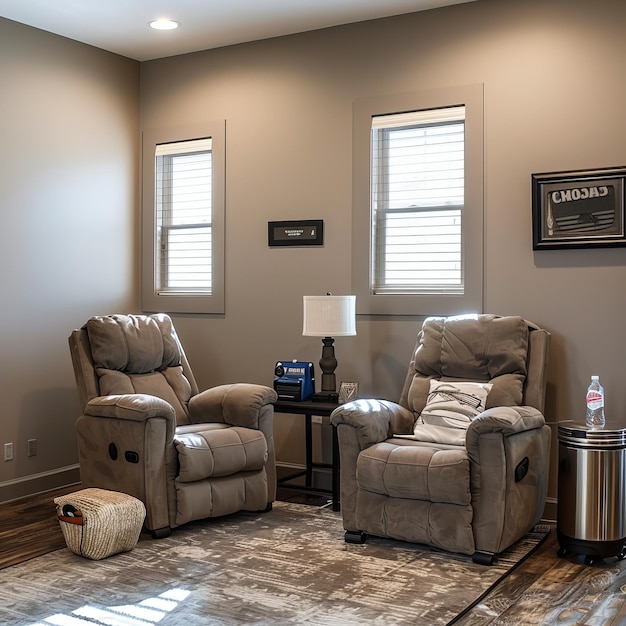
288,566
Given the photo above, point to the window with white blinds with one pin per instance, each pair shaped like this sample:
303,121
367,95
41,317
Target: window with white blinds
183,217
183,180
417,201
417,194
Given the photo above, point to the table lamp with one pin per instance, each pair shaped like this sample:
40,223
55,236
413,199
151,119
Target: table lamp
328,317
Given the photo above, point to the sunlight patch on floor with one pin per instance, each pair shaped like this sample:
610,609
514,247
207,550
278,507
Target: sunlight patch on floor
144,613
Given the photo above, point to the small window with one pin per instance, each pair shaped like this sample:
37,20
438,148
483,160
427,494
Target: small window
183,224
183,217
418,203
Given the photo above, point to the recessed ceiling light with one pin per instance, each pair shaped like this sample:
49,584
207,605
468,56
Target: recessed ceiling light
164,24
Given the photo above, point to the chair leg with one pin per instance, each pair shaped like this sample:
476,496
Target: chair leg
161,533
483,558
355,536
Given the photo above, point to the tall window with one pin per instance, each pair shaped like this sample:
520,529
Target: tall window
418,203
183,214
183,220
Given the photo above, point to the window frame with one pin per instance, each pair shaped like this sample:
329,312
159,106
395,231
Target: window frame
423,304
151,299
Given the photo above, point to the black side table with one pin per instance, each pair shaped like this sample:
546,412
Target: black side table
308,409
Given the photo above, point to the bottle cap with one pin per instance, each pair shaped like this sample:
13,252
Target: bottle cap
595,378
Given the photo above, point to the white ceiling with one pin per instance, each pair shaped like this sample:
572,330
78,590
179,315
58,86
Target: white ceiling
121,26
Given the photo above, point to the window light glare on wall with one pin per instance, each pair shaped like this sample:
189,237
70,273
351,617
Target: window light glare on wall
164,24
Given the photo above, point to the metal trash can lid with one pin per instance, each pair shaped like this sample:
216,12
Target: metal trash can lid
581,436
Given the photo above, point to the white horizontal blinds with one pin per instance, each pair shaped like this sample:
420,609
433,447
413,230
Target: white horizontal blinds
417,201
184,260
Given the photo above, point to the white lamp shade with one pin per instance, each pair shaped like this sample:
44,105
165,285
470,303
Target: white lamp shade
329,316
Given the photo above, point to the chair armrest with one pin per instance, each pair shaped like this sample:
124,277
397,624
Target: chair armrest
373,420
509,453
238,404
135,406
506,420
361,424
143,435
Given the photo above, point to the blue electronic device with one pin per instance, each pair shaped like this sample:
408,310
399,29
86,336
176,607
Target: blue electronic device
294,380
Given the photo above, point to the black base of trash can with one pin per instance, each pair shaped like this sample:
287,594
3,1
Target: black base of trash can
594,551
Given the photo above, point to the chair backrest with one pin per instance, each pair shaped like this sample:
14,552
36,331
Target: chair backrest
120,354
508,352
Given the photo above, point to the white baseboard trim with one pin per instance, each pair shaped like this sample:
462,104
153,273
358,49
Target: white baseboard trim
39,483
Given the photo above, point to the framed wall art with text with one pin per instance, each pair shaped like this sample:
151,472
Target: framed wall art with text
579,209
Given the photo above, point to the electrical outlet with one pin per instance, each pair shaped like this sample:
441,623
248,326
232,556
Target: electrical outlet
316,419
8,451
32,447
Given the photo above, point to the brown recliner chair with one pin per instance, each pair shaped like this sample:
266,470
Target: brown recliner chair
147,431
463,467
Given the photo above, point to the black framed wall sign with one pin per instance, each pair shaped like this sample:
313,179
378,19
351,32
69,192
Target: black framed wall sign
295,233
579,209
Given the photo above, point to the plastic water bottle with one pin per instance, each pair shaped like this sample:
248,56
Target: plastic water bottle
595,404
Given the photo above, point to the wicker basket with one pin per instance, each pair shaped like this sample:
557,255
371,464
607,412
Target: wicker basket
97,523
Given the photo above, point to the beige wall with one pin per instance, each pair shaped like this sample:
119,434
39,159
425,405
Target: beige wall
69,119
554,99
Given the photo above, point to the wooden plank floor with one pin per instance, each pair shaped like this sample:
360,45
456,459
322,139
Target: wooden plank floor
544,589
29,527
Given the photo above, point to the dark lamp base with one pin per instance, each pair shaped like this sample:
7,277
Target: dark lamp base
325,396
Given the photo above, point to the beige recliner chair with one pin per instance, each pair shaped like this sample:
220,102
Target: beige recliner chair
147,431
461,462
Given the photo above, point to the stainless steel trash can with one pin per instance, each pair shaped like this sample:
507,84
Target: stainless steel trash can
591,512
